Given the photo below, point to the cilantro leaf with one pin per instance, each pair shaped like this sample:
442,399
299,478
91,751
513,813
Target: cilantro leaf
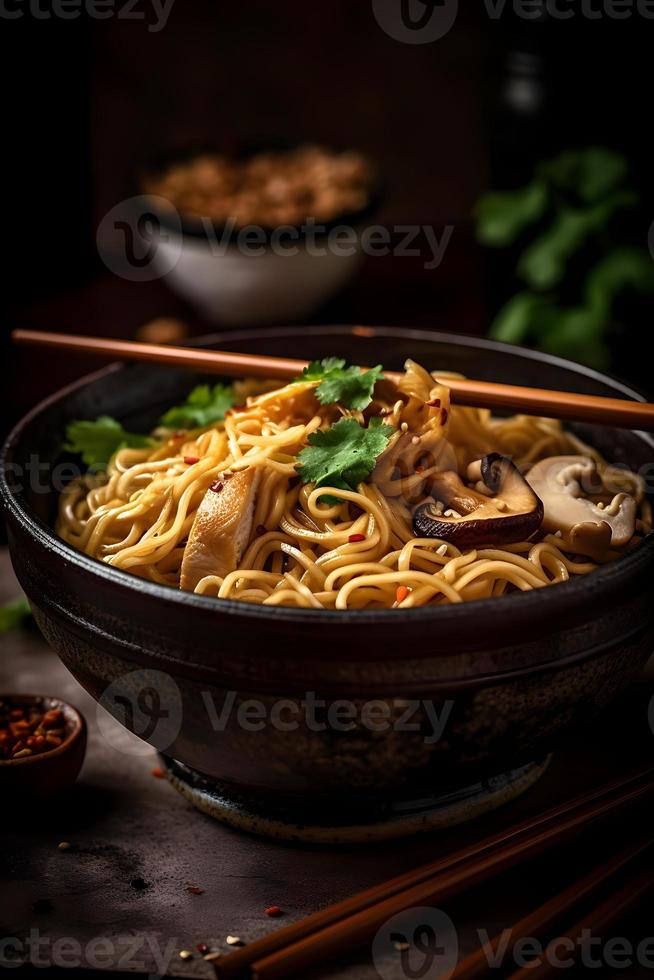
317,370
344,455
98,441
13,614
203,406
349,386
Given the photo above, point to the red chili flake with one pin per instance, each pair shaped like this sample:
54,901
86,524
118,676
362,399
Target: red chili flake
443,416
202,948
402,592
353,538
273,910
195,890
435,403
190,460
29,731
216,487
261,529
158,772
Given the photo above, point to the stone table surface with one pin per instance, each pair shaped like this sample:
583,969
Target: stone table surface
118,898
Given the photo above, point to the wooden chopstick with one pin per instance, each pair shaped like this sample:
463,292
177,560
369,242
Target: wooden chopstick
534,925
349,922
618,412
598,920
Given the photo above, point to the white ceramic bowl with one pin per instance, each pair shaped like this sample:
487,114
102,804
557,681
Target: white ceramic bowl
258,284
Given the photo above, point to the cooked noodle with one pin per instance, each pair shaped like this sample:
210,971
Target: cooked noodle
300,551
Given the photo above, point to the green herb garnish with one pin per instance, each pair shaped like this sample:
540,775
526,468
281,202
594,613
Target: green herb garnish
97,441
347,386
203,406
13,614
344,455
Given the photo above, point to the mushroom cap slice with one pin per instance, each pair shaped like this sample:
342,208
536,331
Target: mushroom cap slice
221,529
505,510
561,482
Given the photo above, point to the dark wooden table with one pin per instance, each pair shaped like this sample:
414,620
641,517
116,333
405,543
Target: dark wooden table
136,846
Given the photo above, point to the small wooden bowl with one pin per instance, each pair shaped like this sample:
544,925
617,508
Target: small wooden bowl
43,775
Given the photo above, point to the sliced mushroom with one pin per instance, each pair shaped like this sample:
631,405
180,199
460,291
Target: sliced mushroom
221,529
501,509
561,482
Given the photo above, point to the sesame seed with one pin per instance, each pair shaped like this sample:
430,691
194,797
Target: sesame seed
64,846
185,954
234,941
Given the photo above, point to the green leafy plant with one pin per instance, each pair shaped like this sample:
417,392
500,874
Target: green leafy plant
97,441
344,455
574,262
14,614
204,406
347,386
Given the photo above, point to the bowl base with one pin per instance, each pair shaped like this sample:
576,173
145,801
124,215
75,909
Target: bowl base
447,808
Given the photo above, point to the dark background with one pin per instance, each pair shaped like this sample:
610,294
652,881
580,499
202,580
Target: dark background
87,102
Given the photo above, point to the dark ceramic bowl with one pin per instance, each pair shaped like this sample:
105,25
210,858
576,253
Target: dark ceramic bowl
41,776
508,677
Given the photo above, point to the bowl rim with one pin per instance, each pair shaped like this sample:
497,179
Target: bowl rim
79,725
520,605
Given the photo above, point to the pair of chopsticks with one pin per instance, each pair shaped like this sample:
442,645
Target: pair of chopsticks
541,920
480,394
347,925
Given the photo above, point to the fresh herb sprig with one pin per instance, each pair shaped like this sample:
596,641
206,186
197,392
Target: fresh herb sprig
342,384
97,441
204,406
344,455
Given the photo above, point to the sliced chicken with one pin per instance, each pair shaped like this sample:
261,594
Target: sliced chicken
221,529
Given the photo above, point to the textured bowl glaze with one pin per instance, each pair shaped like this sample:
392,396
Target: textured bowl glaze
507,676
